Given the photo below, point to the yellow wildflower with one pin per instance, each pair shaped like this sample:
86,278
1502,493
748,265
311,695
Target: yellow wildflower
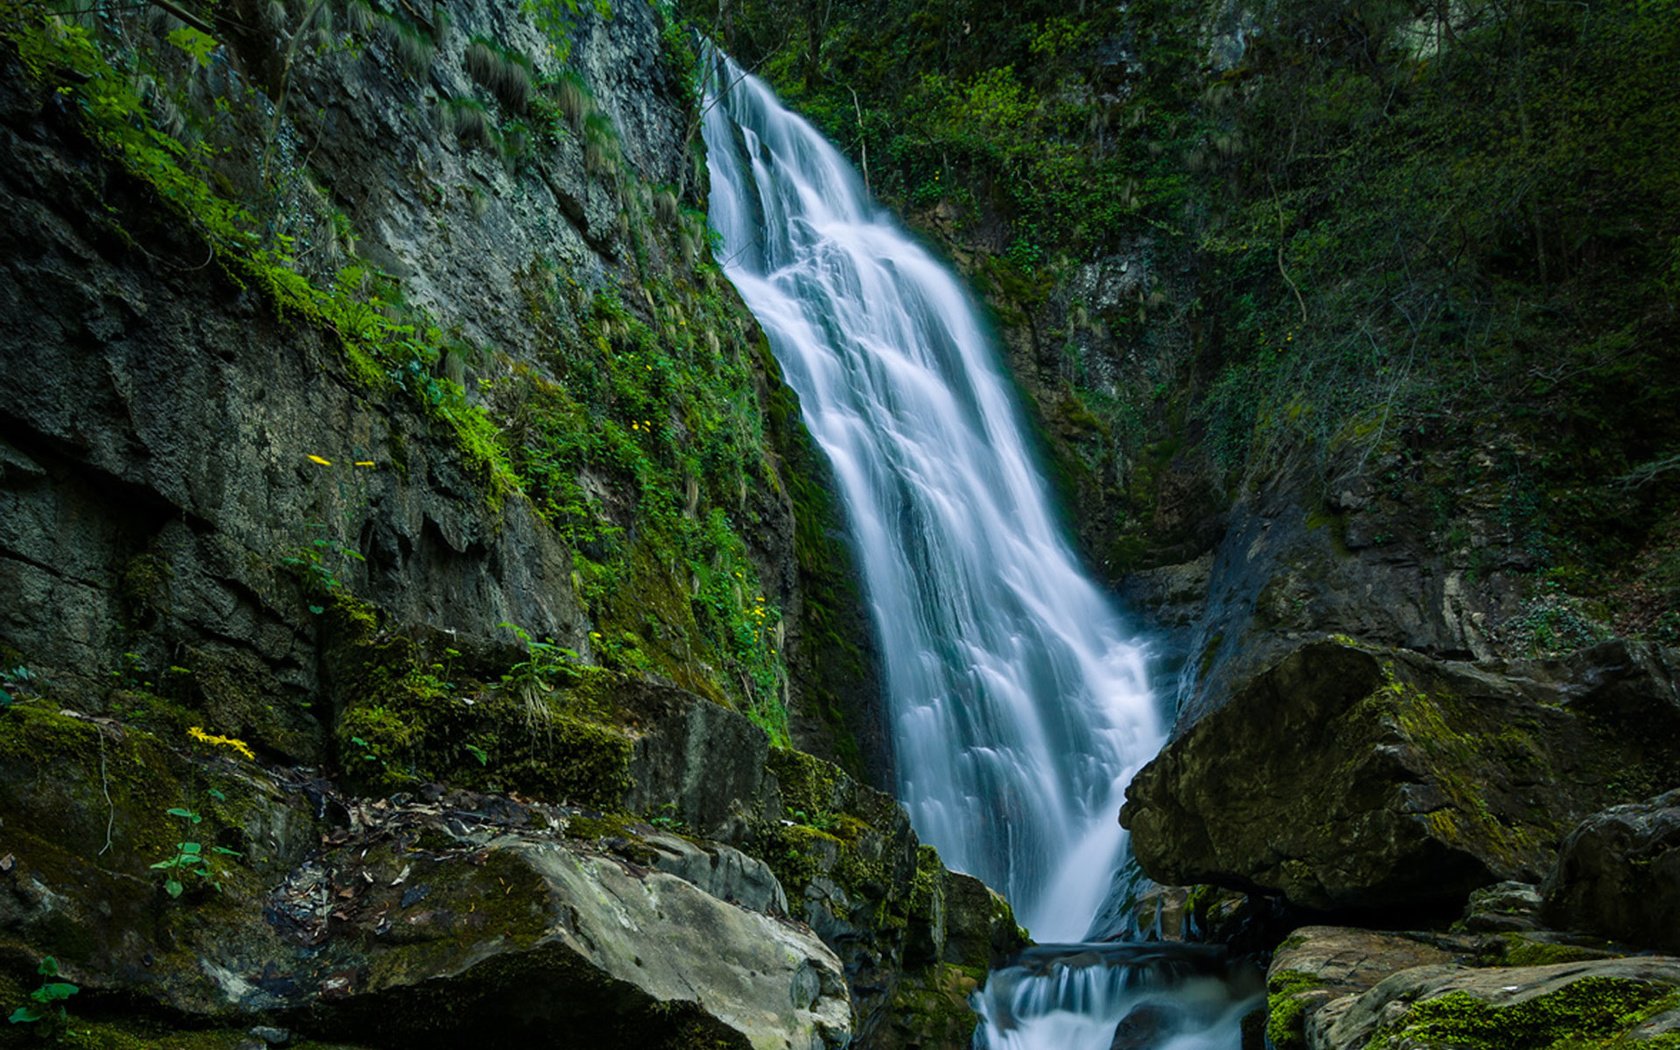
221,741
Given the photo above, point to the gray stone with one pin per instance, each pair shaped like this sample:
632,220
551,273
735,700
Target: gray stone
1320,968
1385,1008
1618,874
703,760
725,873
1503,908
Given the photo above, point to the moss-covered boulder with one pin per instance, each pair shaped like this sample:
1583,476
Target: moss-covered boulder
1618,874
1585,1005
909,932
1347,776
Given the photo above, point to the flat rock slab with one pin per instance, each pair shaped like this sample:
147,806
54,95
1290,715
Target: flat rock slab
1318,967
1513,1008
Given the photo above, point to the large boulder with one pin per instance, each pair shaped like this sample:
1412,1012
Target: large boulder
1347,776
1618,874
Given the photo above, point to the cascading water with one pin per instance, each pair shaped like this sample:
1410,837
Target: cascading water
1019,701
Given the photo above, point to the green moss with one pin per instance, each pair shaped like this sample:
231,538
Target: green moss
1590,1012
600,826
1525,951
1286,1008
1210,652
1464,750
541,726
931,1008
808,784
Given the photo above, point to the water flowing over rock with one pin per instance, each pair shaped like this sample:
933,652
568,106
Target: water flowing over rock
1018,700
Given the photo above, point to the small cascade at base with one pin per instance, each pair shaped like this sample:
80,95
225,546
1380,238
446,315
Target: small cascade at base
1117,996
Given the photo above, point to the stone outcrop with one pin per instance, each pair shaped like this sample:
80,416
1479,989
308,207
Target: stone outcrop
407,922
419,919
1507,1006
1352,777
1320,965
1338,988
267,575
1618,874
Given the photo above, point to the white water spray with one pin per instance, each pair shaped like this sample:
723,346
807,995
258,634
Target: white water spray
1019,702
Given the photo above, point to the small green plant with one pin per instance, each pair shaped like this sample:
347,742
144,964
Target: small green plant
45,1009
822,820
368,752
189,858
667,819
545,662
14,683
315,560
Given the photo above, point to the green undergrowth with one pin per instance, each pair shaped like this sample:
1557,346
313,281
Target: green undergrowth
647,452
412,710
1594,1012
1343,238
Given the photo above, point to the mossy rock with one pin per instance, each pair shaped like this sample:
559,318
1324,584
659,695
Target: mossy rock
931,1008
1348,776
1586,1013
413,709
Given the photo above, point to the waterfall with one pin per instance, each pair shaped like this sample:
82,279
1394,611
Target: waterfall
1018,698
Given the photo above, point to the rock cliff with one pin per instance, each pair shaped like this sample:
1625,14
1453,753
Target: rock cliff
420,577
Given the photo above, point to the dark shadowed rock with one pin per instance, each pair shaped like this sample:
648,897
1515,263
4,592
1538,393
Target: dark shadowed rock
1144,1027
1353,777
1618,874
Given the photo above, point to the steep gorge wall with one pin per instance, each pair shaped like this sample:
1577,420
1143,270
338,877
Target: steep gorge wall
377,426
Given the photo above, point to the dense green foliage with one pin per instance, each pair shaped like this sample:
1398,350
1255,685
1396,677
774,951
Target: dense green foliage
1442,239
